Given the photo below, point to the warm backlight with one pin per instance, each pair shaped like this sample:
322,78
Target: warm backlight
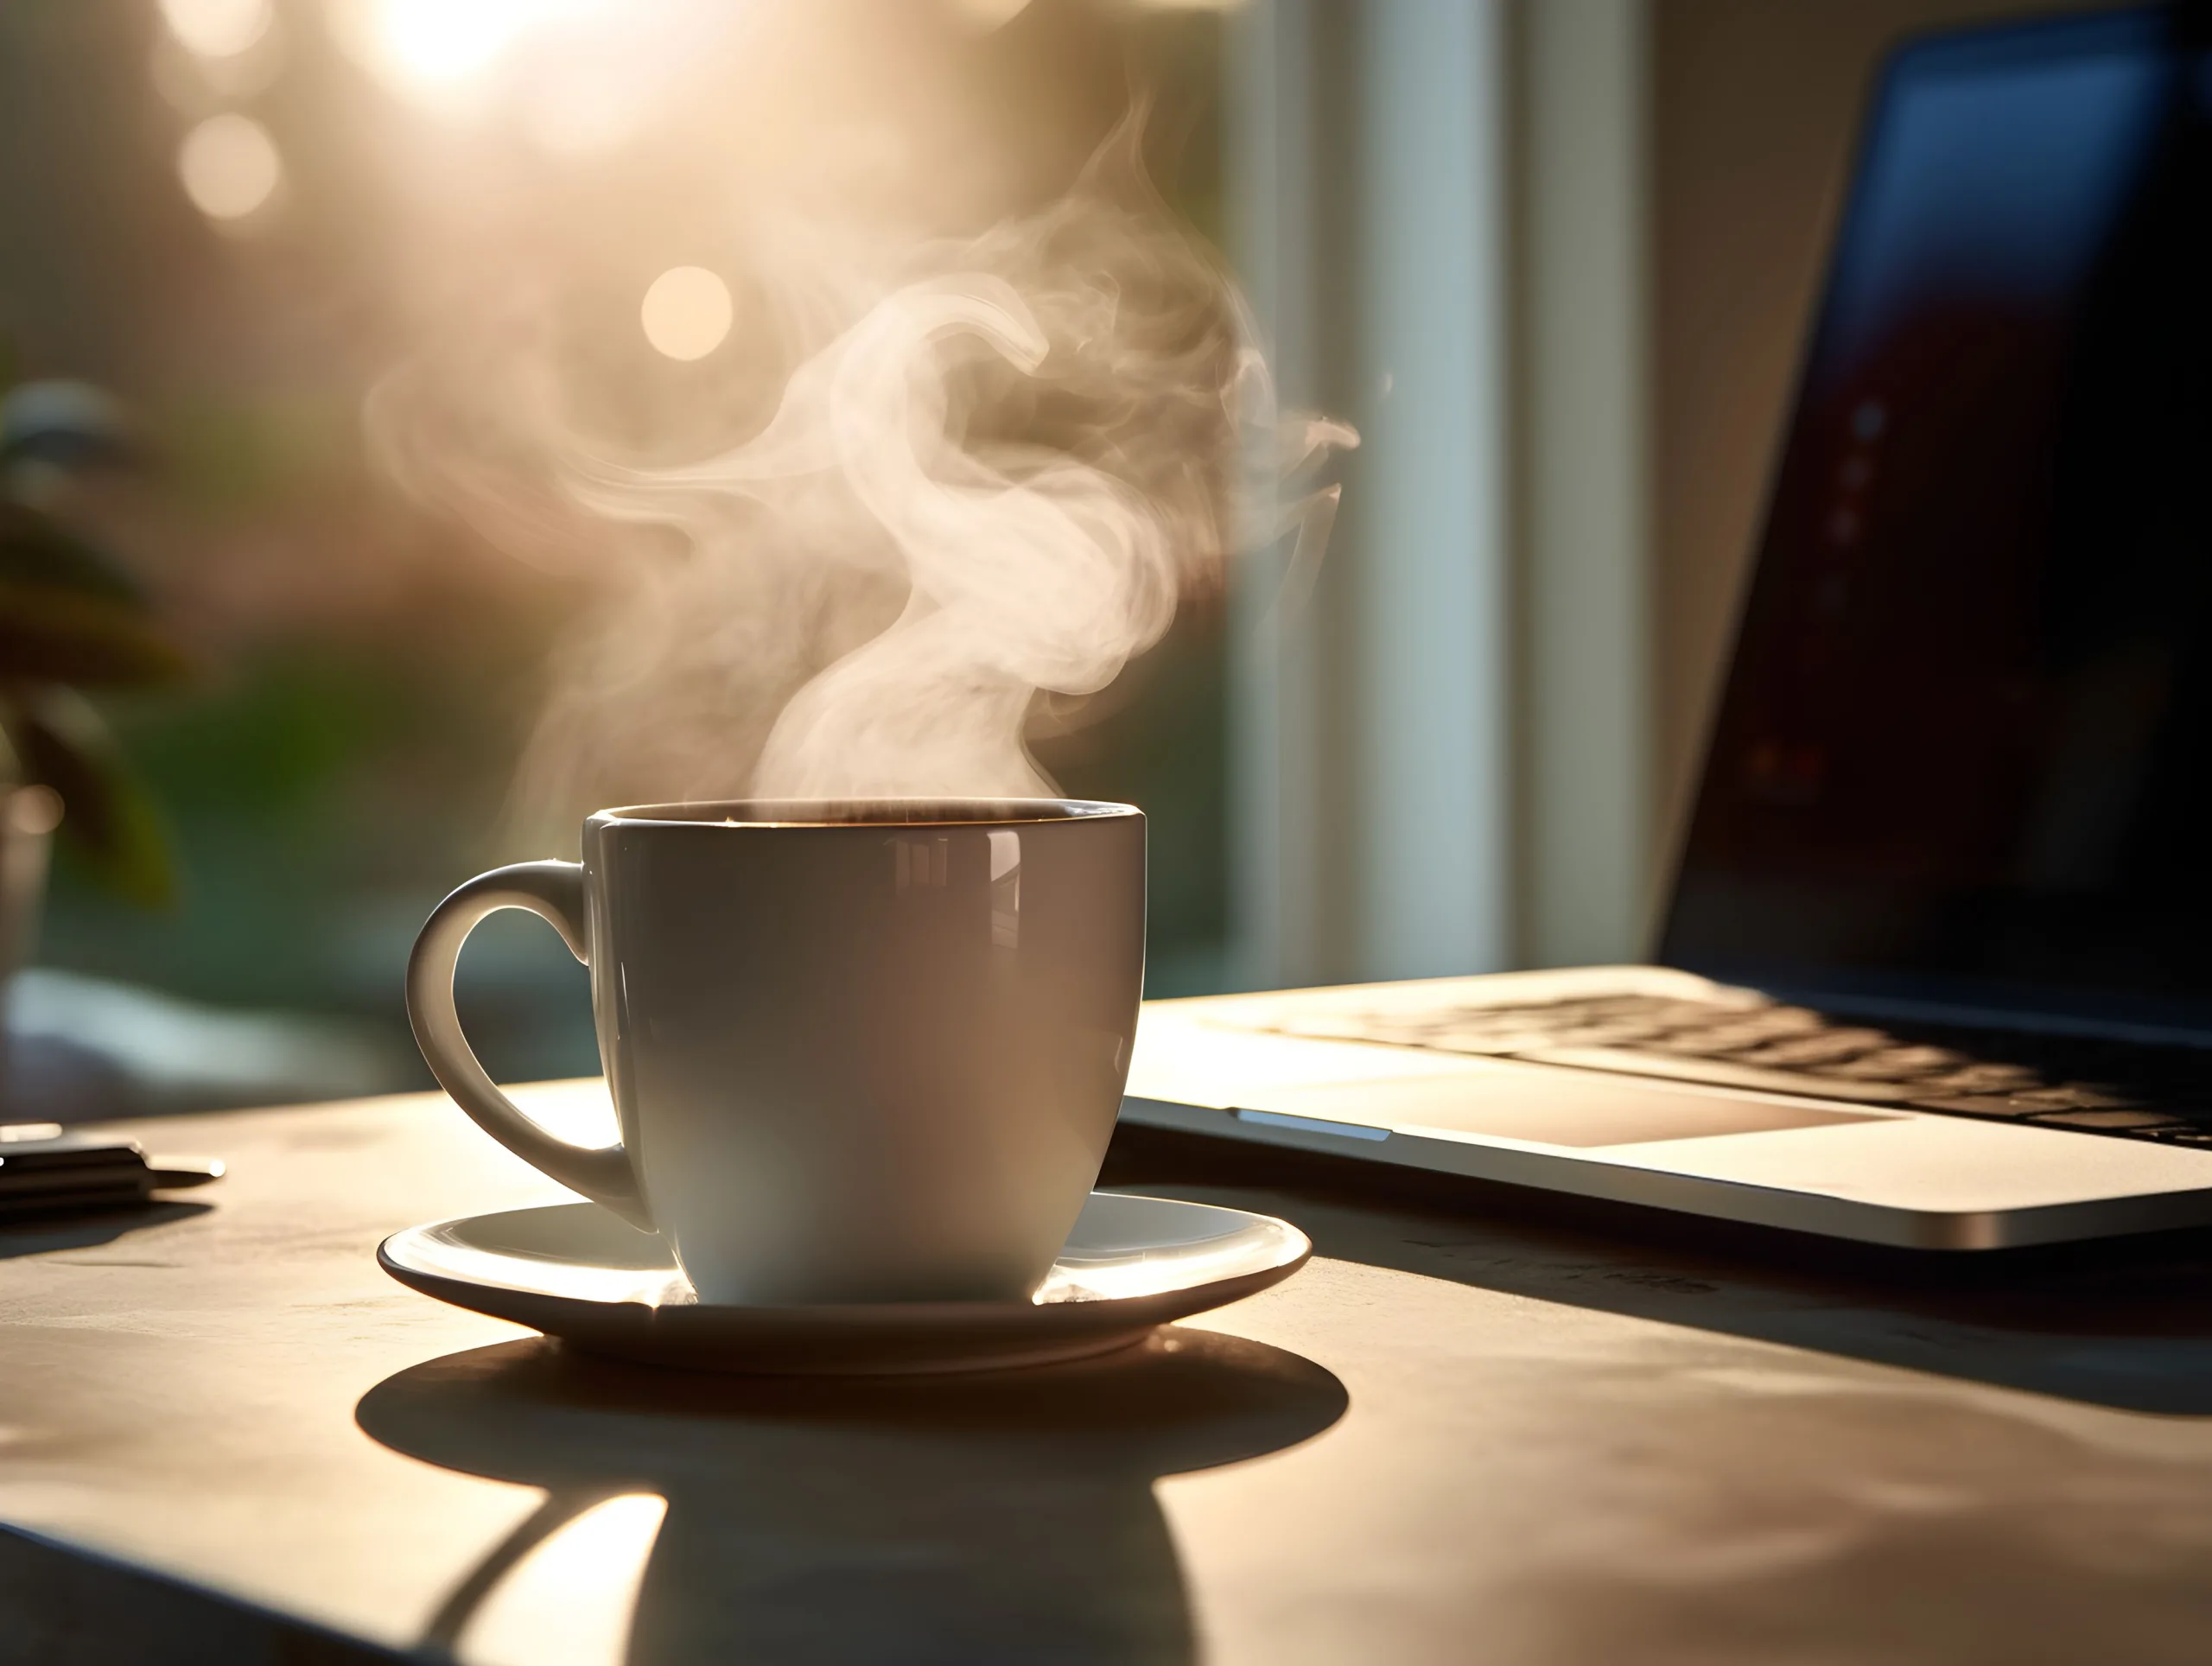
686,312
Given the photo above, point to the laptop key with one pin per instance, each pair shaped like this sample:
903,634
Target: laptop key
1736,1035
1997,1105
1982,1078
1823,1048
2079,1096
1899,1064
1695,1043
2105,1121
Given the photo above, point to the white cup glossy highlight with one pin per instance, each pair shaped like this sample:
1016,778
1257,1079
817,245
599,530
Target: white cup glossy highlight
858,1053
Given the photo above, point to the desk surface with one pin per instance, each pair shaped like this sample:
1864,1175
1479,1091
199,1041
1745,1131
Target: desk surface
1456,1436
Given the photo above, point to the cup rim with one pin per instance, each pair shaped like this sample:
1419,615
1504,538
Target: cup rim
760,814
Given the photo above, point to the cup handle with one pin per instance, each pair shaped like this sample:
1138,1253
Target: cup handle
554,891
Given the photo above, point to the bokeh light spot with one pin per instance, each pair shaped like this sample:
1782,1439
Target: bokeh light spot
218,28
33,809
686,313
228,165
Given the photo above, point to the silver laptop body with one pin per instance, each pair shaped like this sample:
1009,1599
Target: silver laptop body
1239,1068
1932,969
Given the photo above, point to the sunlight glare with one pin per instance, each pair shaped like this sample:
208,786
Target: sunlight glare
435,42
230,166
435,48
575,1596
686,312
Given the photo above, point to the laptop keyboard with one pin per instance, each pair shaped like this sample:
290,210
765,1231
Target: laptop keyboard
2128,1090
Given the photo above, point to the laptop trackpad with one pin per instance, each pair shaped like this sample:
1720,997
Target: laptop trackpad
1556,1107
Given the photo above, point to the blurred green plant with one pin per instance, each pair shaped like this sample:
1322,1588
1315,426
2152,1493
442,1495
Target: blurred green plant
72,619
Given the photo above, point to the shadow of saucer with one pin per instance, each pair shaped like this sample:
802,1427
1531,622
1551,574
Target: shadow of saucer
1006,1517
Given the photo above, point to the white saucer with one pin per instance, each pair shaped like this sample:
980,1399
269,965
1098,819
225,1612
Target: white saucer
579,1272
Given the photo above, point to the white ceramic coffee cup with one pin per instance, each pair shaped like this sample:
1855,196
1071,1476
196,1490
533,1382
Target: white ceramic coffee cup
857,1053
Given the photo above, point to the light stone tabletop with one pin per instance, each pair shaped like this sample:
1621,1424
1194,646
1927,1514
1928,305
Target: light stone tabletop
1468,1432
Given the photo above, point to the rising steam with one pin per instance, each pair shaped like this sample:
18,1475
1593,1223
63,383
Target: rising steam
999,464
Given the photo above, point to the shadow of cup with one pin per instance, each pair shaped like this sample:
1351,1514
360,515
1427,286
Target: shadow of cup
1005,1516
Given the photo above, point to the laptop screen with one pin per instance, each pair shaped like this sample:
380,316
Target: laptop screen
1965,748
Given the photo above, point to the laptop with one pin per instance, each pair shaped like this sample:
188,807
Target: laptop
1936,964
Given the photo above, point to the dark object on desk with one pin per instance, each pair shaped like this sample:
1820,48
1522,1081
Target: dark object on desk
44,1172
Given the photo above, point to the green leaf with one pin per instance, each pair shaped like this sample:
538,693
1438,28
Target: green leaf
50,635
108,818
